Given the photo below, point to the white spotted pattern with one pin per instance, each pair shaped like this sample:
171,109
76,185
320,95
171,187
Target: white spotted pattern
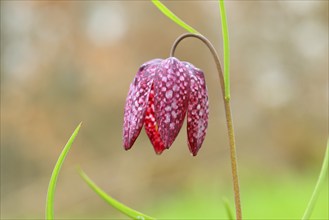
198,109
175,96
136,102
161,94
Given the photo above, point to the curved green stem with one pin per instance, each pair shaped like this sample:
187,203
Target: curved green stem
321,180
118,205
55,173
228,114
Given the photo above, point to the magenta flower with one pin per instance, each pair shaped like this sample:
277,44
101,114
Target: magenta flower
159,97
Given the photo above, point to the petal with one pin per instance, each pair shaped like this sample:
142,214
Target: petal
171,86
151,126
198,110
136,102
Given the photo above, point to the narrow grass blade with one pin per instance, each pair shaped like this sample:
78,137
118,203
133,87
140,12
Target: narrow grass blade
226,45
320,182
173,17
119,206
228,209
54,175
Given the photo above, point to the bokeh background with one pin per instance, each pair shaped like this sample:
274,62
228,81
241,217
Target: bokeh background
63,62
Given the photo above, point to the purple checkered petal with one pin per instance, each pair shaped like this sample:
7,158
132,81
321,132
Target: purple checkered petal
171,85
136,102
198,109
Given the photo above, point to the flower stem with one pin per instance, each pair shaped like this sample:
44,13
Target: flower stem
234,165
228,115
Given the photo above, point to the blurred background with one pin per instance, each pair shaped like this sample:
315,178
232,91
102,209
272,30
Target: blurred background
63,62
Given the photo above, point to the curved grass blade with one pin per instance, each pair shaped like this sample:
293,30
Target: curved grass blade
119,206
173,17
54,176
228,209
226,45
320,182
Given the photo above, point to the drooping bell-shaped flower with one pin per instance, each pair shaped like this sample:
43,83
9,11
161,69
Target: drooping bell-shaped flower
160,96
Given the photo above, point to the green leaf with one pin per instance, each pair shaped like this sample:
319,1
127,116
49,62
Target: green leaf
226,45
54,175
228,209
173,17
320,182
119,206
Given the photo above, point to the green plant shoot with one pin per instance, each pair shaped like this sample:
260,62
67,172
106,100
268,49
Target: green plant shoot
320,182
119,206
226,45
173,17
228,208
54,176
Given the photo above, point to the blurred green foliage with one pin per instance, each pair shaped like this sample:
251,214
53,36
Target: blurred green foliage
266,197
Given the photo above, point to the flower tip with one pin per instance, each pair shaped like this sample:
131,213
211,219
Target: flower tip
158,147
158,153
127,146
193,149
194,153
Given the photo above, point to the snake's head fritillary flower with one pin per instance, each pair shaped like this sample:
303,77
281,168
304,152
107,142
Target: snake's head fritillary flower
160,96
